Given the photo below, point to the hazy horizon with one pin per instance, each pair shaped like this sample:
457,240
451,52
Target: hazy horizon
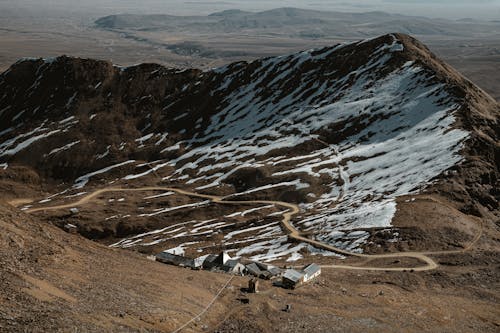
450,9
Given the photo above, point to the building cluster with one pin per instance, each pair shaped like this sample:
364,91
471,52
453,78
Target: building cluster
290,278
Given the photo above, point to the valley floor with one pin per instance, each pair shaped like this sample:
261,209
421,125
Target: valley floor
54,281
426,263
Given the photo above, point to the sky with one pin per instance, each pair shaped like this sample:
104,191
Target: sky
452,9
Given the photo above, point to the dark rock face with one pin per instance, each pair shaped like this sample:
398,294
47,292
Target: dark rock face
125,101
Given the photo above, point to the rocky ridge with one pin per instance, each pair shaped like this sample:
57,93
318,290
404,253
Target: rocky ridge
342,130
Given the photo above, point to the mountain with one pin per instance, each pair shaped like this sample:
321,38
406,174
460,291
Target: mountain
342,131
295,22
374,159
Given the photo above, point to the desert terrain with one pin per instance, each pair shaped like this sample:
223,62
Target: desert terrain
50,274
376,159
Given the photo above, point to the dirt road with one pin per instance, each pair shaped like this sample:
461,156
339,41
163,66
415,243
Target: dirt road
293,233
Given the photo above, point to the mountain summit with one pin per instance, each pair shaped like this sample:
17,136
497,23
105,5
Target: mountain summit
343,131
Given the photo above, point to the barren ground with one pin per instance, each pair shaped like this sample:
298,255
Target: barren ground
477,59
56,280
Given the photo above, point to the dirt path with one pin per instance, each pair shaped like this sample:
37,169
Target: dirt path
19,202
287,226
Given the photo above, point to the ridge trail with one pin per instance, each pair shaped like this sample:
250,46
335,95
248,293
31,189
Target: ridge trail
292,233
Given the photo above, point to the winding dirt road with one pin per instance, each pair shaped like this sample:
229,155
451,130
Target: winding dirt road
429,263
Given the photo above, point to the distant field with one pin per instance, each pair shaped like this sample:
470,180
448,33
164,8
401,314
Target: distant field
478,57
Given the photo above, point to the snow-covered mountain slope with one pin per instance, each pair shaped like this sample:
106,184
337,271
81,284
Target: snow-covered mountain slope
343,131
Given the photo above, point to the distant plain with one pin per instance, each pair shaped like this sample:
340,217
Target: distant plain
471,46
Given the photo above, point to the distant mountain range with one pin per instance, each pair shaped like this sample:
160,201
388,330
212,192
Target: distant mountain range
296,22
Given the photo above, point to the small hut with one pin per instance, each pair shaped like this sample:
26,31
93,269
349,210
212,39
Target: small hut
292,278
311,272
173,259
253,269
253,285
233,266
